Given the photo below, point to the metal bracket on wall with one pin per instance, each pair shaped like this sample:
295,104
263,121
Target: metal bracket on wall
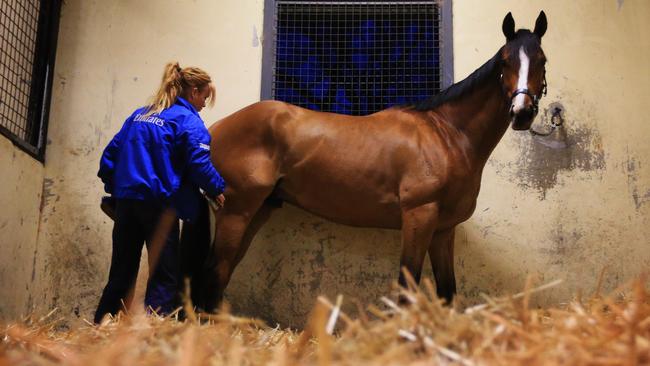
555,136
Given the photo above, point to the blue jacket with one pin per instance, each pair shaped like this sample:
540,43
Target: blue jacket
162,158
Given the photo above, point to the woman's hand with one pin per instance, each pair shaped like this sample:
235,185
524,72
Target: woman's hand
220,200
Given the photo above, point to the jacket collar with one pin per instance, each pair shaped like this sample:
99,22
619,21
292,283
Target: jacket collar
182,101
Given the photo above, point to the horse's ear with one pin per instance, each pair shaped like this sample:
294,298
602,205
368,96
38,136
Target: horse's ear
540,24
508,27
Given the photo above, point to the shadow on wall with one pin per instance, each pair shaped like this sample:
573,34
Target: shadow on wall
484,266
297,257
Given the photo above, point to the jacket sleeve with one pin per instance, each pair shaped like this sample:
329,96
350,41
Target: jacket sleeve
195,142
109,157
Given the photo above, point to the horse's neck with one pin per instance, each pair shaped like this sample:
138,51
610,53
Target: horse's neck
482,115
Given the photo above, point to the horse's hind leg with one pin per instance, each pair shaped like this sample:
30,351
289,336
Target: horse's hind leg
235,232
259,219
418,225
441,254
221,260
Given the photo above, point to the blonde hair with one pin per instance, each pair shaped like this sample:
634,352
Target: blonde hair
175,82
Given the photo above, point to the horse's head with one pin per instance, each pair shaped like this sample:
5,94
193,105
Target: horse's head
523,73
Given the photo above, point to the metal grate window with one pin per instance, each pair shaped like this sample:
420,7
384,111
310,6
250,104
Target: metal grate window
28,30
355,57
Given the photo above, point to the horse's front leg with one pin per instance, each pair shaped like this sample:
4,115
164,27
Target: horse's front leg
418,225
441,254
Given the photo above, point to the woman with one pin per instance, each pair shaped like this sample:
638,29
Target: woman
153,168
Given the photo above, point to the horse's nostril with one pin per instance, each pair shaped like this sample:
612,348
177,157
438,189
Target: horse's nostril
528,113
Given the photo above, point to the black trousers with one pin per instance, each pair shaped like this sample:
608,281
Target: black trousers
136,223
196,249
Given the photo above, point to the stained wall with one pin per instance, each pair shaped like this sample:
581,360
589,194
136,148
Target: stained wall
110,59
563,207
21,187
554,213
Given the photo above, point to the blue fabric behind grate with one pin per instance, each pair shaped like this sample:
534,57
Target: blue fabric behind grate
356,59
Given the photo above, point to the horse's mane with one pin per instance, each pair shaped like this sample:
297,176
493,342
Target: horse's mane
460,88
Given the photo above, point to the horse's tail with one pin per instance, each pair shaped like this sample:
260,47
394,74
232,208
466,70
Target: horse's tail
195,247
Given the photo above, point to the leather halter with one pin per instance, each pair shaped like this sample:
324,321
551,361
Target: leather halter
533,97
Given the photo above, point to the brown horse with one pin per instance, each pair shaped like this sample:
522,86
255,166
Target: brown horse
415,167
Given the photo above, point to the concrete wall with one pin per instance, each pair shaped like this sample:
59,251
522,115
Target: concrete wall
554,213
110,59
566,213
20,199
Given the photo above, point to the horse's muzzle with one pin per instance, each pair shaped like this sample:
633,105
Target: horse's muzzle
524,115
523,119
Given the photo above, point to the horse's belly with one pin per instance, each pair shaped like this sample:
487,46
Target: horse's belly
344,205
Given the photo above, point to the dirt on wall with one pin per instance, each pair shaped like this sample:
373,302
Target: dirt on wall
543,157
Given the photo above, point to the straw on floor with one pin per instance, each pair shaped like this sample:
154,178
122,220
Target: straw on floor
600,330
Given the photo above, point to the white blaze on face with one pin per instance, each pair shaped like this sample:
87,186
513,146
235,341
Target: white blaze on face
518,103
